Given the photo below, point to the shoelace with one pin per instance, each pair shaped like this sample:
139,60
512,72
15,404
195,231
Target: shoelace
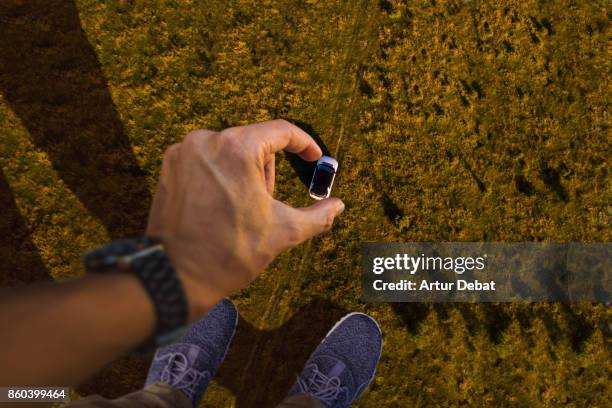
325,389
178,374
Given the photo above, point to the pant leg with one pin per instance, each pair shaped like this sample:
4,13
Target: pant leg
300,401
154,396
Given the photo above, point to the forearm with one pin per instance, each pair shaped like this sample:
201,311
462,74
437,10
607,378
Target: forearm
61,333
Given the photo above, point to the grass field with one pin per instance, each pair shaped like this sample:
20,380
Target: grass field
452,121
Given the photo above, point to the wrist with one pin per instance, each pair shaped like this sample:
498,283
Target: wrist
146,260
199,299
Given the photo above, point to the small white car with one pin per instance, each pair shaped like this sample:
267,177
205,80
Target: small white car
323,177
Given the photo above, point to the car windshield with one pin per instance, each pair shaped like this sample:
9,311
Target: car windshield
323,177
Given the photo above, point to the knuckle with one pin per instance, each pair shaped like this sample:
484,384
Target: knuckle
232,131
232,145
280,122
328,221
197,136
193,138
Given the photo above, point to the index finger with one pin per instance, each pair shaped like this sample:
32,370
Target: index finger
275,135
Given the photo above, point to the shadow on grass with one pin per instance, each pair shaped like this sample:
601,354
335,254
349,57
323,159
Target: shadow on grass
304,169
392,211
52,80
21,263
262,365
494,319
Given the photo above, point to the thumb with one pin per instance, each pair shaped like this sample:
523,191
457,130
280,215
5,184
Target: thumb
315,219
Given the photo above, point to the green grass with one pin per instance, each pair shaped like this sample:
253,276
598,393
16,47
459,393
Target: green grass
453,121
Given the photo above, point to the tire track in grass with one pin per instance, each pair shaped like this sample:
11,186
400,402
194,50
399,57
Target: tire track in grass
338,123
288,256
283,270
305,249
340,126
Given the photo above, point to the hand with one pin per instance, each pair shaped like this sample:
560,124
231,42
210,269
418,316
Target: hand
215,212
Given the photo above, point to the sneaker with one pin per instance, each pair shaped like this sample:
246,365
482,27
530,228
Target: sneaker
191,362
344,364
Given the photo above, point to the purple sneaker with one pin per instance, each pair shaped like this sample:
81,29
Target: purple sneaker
344,364
191,362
